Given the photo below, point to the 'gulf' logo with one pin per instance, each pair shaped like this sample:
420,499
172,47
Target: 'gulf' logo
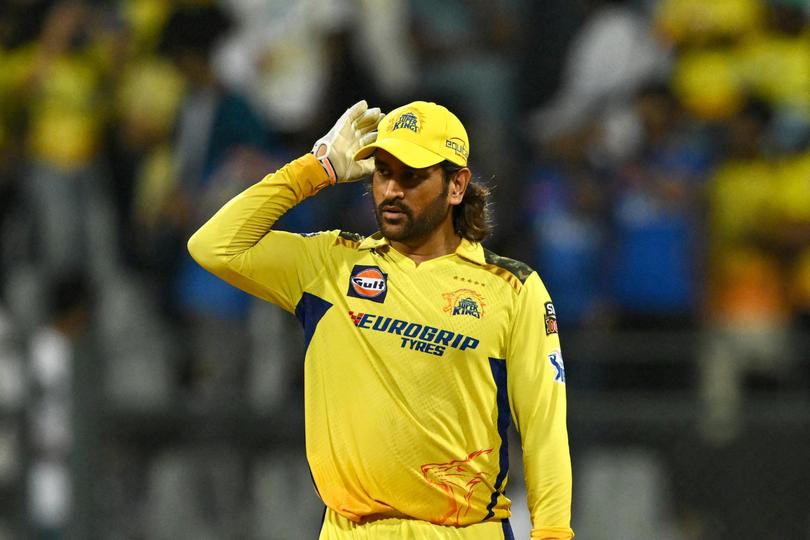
368,282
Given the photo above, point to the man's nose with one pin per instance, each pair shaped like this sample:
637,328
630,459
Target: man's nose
393,189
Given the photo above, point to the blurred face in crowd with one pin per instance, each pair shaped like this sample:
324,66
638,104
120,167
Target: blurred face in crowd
787,19
658,113
193,65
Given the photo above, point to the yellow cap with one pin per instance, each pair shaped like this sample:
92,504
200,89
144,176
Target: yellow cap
420,134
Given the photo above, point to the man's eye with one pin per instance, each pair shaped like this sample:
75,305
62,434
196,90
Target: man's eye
415,177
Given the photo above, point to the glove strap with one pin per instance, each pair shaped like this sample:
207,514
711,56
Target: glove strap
321,153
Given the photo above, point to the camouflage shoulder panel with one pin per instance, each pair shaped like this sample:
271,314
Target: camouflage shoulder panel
349,239
518,269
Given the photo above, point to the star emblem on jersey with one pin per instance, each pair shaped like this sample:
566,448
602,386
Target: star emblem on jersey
368,282
464,302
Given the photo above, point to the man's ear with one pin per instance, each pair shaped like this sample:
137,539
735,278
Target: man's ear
458,185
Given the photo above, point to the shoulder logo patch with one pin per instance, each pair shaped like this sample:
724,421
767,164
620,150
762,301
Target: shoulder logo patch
555,357
464,302
551,318
368,282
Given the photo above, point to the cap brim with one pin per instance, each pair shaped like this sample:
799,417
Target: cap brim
407,152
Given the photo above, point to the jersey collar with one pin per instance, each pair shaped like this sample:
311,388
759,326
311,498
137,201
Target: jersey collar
472,251
374,241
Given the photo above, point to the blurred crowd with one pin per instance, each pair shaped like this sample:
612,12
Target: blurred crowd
650,158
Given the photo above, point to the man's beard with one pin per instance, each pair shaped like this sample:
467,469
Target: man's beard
411,227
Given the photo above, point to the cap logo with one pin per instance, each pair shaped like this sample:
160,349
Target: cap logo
457,145
407,120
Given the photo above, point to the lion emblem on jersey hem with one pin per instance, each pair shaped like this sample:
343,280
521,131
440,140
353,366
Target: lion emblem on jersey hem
458,480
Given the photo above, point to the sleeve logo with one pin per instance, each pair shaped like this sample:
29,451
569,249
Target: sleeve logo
551,319
368,282
555,357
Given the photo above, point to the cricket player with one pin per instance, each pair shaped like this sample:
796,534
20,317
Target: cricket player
421,345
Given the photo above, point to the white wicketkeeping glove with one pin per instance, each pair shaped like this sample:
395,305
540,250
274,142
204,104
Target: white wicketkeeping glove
353,130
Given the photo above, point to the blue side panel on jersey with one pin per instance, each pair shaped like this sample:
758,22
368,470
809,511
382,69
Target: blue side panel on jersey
310,310
498,367
507,530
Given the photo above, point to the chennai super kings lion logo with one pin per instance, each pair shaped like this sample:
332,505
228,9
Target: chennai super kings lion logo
408,120
464,302
457,479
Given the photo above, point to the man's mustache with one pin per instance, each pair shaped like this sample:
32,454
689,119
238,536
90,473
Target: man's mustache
395,203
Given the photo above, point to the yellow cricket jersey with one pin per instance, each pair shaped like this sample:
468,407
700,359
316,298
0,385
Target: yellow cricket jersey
412,373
